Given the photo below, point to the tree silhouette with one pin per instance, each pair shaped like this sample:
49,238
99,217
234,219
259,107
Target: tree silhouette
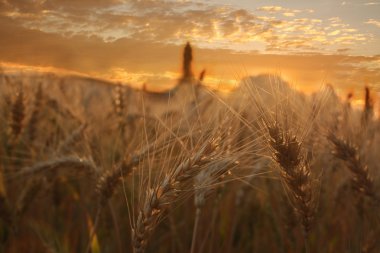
187,59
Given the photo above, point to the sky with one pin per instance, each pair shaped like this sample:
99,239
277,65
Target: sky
308,43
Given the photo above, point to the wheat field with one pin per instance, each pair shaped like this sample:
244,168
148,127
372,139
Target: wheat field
88,166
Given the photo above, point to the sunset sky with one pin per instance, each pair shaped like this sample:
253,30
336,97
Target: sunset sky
307,42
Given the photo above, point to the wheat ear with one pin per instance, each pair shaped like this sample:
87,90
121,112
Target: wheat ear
295,171
17,115
349,154
33,121
110,179
166,192
74,164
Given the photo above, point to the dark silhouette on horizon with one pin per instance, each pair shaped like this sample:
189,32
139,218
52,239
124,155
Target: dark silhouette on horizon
202,75
368,106
187,60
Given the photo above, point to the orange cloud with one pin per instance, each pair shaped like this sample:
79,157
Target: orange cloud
212,26
140,42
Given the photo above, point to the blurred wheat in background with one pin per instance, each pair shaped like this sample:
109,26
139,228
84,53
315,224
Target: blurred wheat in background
89,166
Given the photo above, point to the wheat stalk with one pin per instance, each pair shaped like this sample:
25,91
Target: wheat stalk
29,192
348,153
110,179
72,139
32,124
164,193
204,186
5,212
75,164
17,115
295,171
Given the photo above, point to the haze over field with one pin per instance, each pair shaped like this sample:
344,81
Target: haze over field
173,126
137,42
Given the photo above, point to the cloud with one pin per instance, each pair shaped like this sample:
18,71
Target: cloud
371,3
280,9
158,64
141,41
373,22
81,53
274,28
271,9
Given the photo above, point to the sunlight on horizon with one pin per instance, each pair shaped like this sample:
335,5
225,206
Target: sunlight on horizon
140,42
